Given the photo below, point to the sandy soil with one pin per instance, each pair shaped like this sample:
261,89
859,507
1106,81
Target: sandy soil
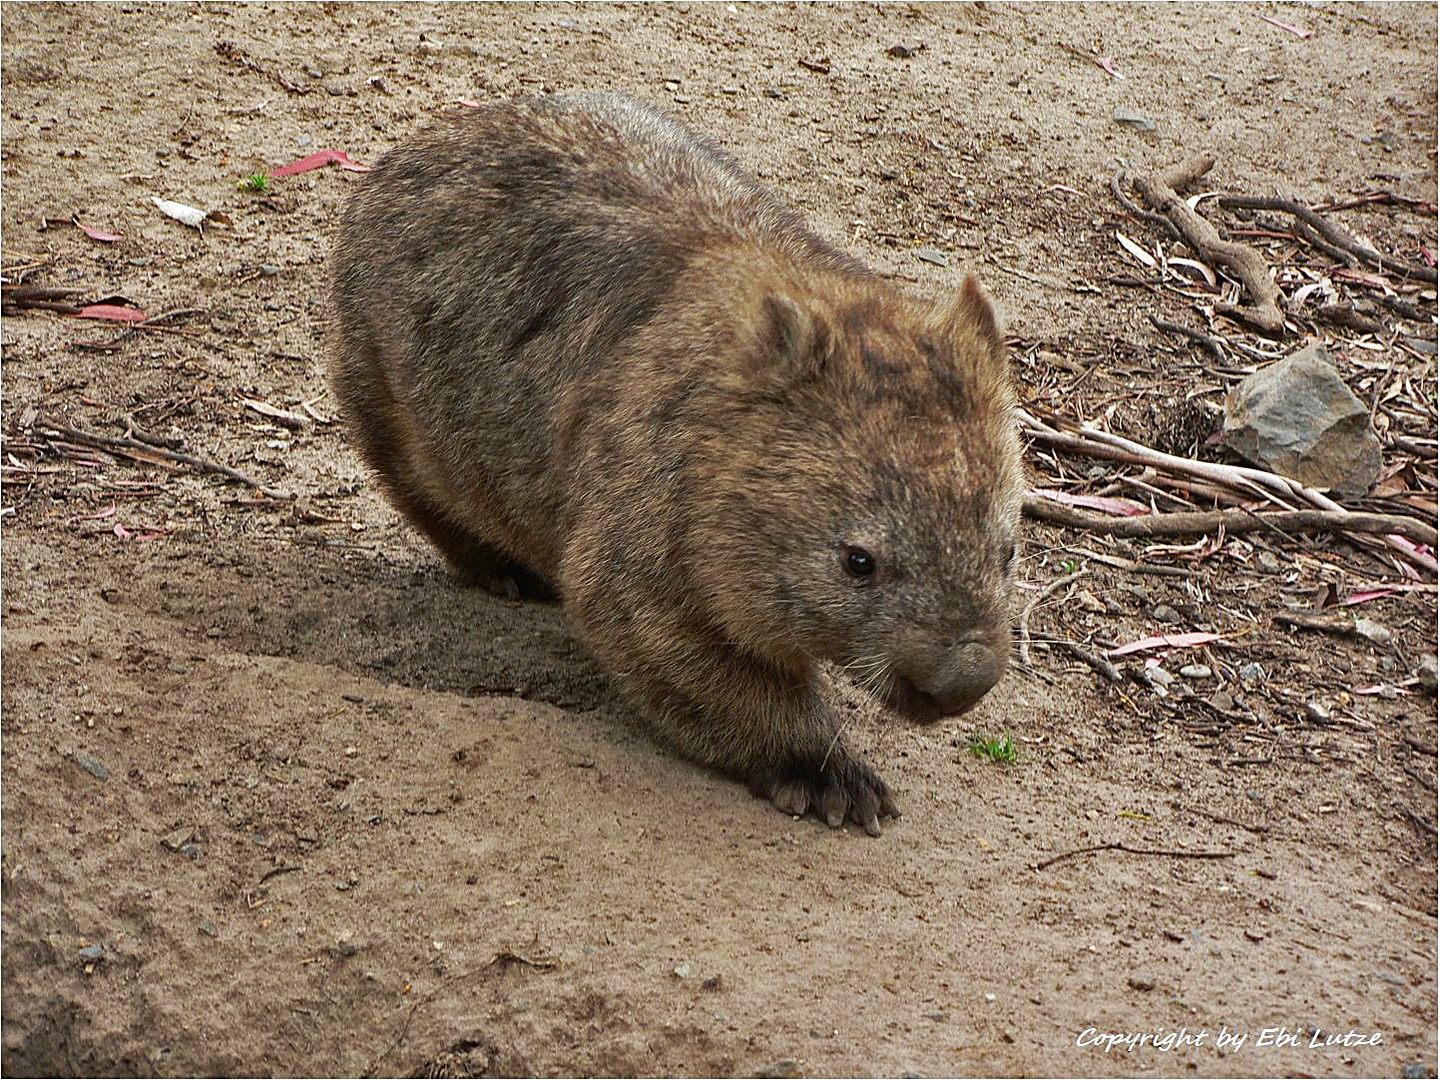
281,797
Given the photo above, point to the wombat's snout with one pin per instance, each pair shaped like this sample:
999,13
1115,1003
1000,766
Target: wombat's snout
962,678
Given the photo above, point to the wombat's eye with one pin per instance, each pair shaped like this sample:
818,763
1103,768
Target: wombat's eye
859,563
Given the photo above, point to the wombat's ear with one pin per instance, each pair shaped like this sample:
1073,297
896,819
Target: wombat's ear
792,339
969,319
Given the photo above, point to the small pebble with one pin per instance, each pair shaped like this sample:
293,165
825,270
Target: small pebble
904,50
91,953
780,1070
1165,613
1317,712
687,970
1161,676
989,997
1137,983
1195,671
93,766
208,928
1130,118
1251,674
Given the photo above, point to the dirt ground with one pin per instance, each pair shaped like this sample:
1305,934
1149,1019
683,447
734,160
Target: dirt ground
281,797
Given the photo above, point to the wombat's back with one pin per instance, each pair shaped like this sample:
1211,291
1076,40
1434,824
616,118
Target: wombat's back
487,266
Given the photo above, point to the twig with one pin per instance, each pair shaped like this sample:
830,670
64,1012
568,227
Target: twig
1139,213
1095,660
1236,522
1223,820
1272,486
1211,344
1044,594
1135,851
1329,231
89,438
1160,193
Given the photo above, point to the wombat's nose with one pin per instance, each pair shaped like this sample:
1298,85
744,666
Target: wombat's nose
967,673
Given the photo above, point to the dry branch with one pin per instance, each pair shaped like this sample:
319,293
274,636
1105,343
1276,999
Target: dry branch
90,438
1331,232
1277,489
1235,522
1160,193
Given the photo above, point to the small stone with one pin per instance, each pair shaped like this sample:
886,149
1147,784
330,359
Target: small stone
1426,674
1317,712
177,839
208,928
779,1070
91,953
1160,675
351,751
93,766
989,997
1414,1071
1372,631
269,270
687,970
192,851
1123,114
346,947
1253,935
776,92
1136,982
904,50
1251,674
938,1017
1165,613
930,255
1297,417
1195,671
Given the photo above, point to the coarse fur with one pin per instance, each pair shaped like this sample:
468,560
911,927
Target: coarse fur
586,351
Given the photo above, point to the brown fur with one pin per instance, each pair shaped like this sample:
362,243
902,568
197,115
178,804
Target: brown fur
584,349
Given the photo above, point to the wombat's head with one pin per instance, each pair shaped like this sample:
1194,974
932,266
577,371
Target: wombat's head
872,477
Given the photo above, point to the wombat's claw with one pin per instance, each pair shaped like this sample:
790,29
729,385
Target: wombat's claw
852,791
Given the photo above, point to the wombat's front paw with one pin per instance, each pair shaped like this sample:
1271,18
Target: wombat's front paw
840,788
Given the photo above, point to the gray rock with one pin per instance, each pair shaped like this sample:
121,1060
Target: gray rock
1372,631
1123,114
780,1070
904,50
93,766
1426,674
1297,417
91,953
1195,671
208,928
1251,674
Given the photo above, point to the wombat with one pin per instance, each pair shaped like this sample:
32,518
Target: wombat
587,352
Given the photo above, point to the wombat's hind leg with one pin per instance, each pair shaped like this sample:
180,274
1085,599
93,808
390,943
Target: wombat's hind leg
474,561
839,787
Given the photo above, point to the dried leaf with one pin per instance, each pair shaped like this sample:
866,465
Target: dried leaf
1199,267
113,312
99,234
1136,251
1286,26
1122,507
186,215
319,159
1166,641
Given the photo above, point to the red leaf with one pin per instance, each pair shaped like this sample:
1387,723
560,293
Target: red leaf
1286,26
100,234
316,160
111,311
1166,641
